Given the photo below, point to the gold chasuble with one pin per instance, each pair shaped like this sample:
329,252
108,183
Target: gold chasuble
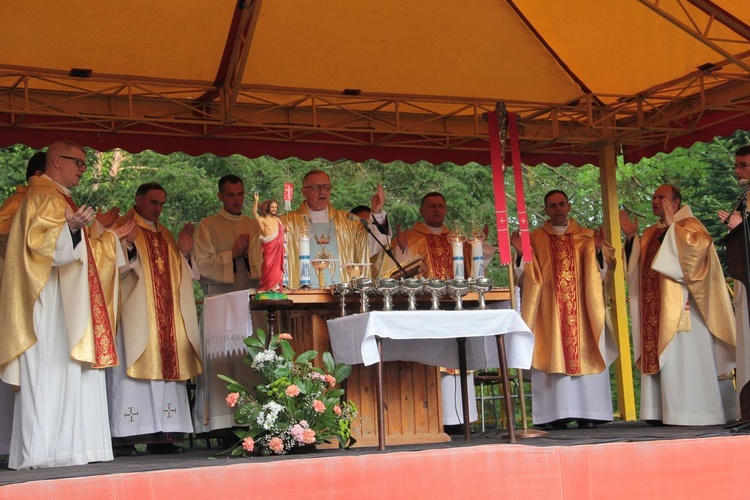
352,240
160,327
664,311
435,250
89,286
563,300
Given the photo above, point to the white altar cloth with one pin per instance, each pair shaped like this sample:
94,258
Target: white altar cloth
226,323
429,337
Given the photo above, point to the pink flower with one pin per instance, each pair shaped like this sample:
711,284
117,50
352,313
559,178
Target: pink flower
304,424
292,391
285,336
276,445
319,406
248,444
337,410
308,436
232,399
331,380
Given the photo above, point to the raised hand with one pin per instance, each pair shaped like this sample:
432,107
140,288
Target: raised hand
669,211
185,238
599,238
629,227
378,200
108,218
82,217
401,238
125,230
515,240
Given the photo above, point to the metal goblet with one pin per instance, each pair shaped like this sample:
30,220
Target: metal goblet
411,286
364,286
436,287
480,285
341,290
387,287
458,288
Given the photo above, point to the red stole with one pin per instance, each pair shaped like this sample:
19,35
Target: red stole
104,339
161,281
566,291
650,307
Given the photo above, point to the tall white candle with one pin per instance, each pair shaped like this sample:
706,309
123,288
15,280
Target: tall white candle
477,259
458,259
304,259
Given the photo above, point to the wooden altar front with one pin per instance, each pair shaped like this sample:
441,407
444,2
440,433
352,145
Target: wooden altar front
413,404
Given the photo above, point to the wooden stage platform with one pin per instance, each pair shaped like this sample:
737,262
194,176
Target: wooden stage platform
626,460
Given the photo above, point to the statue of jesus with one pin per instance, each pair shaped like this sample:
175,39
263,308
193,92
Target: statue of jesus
272,239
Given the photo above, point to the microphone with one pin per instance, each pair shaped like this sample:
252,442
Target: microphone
744,183
357,218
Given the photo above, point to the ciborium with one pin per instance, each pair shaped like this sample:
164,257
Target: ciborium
342,290
480,286
458,288
364,286
387,287
435,287
411,287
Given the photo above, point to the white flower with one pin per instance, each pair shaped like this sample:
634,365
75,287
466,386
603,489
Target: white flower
267,415
264,357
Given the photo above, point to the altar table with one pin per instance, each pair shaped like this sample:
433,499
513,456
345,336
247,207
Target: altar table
467,340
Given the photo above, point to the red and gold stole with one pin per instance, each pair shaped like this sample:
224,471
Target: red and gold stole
441,255
650,306
566,291
104,343
158,255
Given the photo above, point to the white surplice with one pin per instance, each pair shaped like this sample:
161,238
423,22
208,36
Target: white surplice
221,274
743,335
60,415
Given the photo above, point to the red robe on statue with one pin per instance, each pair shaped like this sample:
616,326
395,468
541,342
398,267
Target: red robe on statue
272,269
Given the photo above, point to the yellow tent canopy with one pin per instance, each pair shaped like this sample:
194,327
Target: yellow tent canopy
384,79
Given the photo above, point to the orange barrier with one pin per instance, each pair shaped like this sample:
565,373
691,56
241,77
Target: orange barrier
685,469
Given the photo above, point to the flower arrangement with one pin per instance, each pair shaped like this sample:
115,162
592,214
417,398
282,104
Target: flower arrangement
295,405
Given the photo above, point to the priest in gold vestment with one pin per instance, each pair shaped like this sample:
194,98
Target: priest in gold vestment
160,342
58,307
682,320
327,227
562,301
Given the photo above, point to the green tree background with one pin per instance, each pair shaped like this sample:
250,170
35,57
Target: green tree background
704,173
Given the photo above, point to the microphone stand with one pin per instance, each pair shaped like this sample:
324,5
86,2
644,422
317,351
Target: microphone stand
387,251
743,426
